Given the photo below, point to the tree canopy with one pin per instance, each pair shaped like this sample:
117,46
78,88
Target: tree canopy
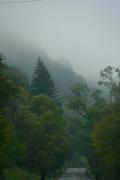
42,81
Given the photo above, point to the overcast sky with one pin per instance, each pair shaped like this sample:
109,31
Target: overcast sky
86,32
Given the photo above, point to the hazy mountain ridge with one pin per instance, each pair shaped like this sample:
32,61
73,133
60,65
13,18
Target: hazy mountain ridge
24,58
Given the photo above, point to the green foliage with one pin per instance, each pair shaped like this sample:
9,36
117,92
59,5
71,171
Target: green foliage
17,76
97,107
18,174
21,83
76,131
105,137
43,103
11,150
110,78
21,96
99,137
42,81
8,88
49,144
41,127
32,132
78,99
24,121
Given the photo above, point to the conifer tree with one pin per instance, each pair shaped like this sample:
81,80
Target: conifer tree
42,81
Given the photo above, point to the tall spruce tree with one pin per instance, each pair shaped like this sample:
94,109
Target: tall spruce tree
42,81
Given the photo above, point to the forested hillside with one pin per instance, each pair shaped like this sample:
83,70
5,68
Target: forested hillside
33,135
41,136
59,89
62,73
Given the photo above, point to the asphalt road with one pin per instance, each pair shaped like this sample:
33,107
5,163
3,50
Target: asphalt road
74,174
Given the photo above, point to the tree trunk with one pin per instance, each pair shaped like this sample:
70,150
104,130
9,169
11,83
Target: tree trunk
42,176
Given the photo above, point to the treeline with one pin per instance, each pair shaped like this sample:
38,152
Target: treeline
43,135
97,114
32,124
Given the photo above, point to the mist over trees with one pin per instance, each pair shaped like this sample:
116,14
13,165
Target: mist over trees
98,119
59,89
61,71
41,136
32,129
42,81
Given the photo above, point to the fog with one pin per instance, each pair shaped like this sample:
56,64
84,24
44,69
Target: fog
85,32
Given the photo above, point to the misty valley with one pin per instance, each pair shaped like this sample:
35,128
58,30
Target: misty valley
59,90
52,120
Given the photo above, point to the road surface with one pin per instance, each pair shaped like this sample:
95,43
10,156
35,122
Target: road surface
74,174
